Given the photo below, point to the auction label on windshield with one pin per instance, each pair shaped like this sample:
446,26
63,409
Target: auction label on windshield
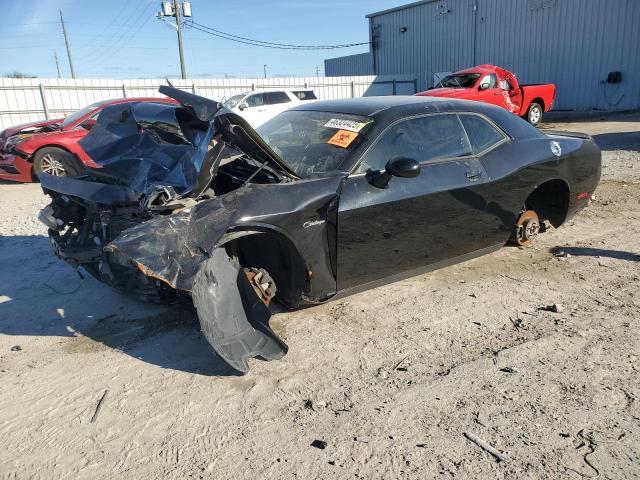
344,124
342,138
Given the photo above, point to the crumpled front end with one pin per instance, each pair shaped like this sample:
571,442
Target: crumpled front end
149,222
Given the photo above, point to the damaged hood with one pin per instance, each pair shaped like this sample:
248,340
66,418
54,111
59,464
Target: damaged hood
147,146
25,130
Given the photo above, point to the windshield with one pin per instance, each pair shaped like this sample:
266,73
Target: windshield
314,142
75,116
235,100
459,81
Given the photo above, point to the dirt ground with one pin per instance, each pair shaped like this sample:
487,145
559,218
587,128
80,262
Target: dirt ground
97,385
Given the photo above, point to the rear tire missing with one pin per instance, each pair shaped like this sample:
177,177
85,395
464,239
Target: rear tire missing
527,228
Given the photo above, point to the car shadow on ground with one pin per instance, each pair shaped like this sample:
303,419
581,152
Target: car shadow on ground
40,295
618,141
596,252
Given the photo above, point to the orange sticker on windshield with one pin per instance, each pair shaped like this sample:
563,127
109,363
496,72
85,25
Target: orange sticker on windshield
343,138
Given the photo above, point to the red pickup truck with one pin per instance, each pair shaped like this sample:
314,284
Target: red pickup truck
491,84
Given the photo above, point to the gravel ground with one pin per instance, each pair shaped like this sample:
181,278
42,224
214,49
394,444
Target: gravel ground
97,385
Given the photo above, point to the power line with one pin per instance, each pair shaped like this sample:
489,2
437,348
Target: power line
121,42
106,47
265,44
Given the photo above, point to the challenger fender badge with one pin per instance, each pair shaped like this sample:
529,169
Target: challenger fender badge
312,223
555,148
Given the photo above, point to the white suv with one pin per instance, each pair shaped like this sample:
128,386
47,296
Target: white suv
259,106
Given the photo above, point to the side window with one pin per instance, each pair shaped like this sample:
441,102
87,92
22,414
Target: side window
505,85
274,98
305,95
425,139
481,133
489,81
255,100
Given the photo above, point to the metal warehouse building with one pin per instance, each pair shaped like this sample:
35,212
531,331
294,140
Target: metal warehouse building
577,44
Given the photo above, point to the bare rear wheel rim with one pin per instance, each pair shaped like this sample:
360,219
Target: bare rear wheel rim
52,166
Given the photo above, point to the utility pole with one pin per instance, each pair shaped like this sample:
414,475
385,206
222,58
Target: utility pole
265,70
66,42
317,71
55,55
175,9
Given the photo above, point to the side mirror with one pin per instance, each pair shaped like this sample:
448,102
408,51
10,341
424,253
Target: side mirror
89,124
243,105
396,167
403,167
483,86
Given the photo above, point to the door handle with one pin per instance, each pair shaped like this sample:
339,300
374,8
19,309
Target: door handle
474,174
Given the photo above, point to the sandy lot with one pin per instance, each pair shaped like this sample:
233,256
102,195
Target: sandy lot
390,379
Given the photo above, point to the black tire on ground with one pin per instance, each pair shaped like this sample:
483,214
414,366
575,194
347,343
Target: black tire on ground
534,114
54,161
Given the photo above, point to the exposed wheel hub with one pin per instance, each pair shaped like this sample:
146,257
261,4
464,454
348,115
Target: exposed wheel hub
527,227
262,283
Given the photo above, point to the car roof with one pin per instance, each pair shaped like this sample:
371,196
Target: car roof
117,101
267,90
371,106
387,109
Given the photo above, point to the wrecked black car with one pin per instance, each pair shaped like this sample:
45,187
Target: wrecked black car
324,200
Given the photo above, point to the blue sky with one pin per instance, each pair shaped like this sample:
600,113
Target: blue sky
123,39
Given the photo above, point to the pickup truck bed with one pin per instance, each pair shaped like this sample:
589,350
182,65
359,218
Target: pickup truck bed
495,85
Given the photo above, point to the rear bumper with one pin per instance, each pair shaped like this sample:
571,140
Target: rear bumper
15,168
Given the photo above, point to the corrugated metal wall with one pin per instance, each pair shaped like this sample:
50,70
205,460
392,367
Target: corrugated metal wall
438,37
572,43
359,64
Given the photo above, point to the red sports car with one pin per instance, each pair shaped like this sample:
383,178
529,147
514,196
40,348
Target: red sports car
51,146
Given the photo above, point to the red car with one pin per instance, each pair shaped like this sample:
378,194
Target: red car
491,84
51,146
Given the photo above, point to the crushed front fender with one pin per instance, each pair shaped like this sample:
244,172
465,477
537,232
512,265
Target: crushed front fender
233,318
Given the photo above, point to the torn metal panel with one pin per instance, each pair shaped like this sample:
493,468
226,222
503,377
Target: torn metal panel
148,145
172,247
233,318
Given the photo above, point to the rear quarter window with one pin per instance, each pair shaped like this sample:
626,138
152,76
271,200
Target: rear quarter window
274,98
305,95
482,134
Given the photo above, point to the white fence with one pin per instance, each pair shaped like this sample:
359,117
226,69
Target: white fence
25,100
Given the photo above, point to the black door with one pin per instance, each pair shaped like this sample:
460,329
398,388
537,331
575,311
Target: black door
414,222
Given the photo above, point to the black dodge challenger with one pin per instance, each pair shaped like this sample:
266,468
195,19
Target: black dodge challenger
323,200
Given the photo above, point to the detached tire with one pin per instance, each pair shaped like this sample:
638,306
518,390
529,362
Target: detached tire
534,114
54,161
